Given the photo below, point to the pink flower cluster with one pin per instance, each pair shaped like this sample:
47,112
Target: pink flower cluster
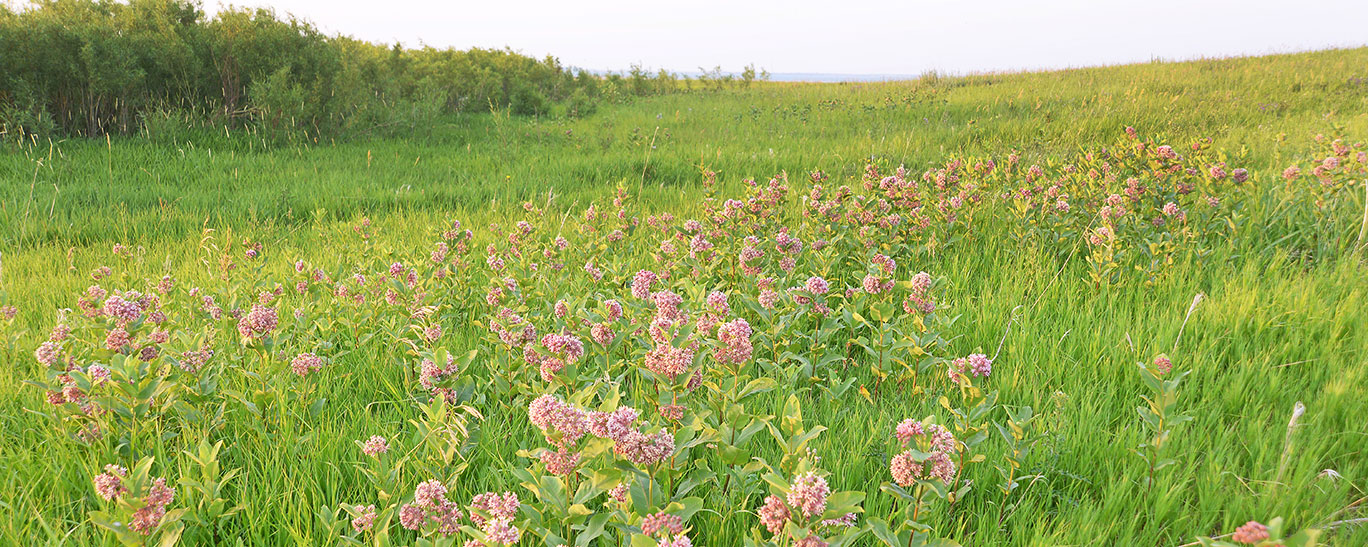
430,509
976,364
430,374
920,299
109,485
736,343
774,514
145,520
1251,533
305,363
365,518
565,349
257,323
928,453
808,495
662,523
1163,364
375,446
805,503
641,283
669,361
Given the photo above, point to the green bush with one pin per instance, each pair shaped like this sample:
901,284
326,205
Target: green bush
89,67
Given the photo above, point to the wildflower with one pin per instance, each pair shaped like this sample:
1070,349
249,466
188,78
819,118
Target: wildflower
816,285
645,450
872,285
774,514
908,429
641,283
1251,533
735,337
941,467
905,469
669,361
941,438
429,493
109,485
560,462
257,323
564,345
501,531
810,541
808,494
375,446
430,506
672,412
768,298
117,340
1240,174
717,303
363,522
1163,364
601,333
680,540
845,521
305,363
121,310
98,373
146,519
662,522
47,353
495,505
977,364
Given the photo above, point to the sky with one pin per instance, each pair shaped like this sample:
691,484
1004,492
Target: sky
884,37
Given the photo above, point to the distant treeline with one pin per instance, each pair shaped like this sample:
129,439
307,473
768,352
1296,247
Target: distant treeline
91,67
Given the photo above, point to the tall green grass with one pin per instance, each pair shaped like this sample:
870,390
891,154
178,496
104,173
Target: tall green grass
1270,333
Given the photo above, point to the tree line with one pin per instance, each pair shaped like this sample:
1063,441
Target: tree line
94,67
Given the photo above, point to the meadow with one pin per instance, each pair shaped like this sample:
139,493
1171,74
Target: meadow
1117,305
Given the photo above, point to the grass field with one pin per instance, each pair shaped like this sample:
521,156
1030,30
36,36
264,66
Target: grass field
1064,310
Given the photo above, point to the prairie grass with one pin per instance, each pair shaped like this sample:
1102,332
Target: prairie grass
1278,326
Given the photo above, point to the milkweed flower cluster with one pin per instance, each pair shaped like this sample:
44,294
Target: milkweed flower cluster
146,518
919,299
735,337
431,511
803,505
1162,364
565,350
257,323
109,485
774,514
880,280
808,494
493,514
928,452
662,524
375,446
976,364
365,518
641,283
305,363
1250,533
431,376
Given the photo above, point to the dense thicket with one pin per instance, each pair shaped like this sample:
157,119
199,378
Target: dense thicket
89,67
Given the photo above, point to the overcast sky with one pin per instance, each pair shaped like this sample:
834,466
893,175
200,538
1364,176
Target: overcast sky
848,36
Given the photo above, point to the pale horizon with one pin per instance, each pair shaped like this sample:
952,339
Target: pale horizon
861,38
